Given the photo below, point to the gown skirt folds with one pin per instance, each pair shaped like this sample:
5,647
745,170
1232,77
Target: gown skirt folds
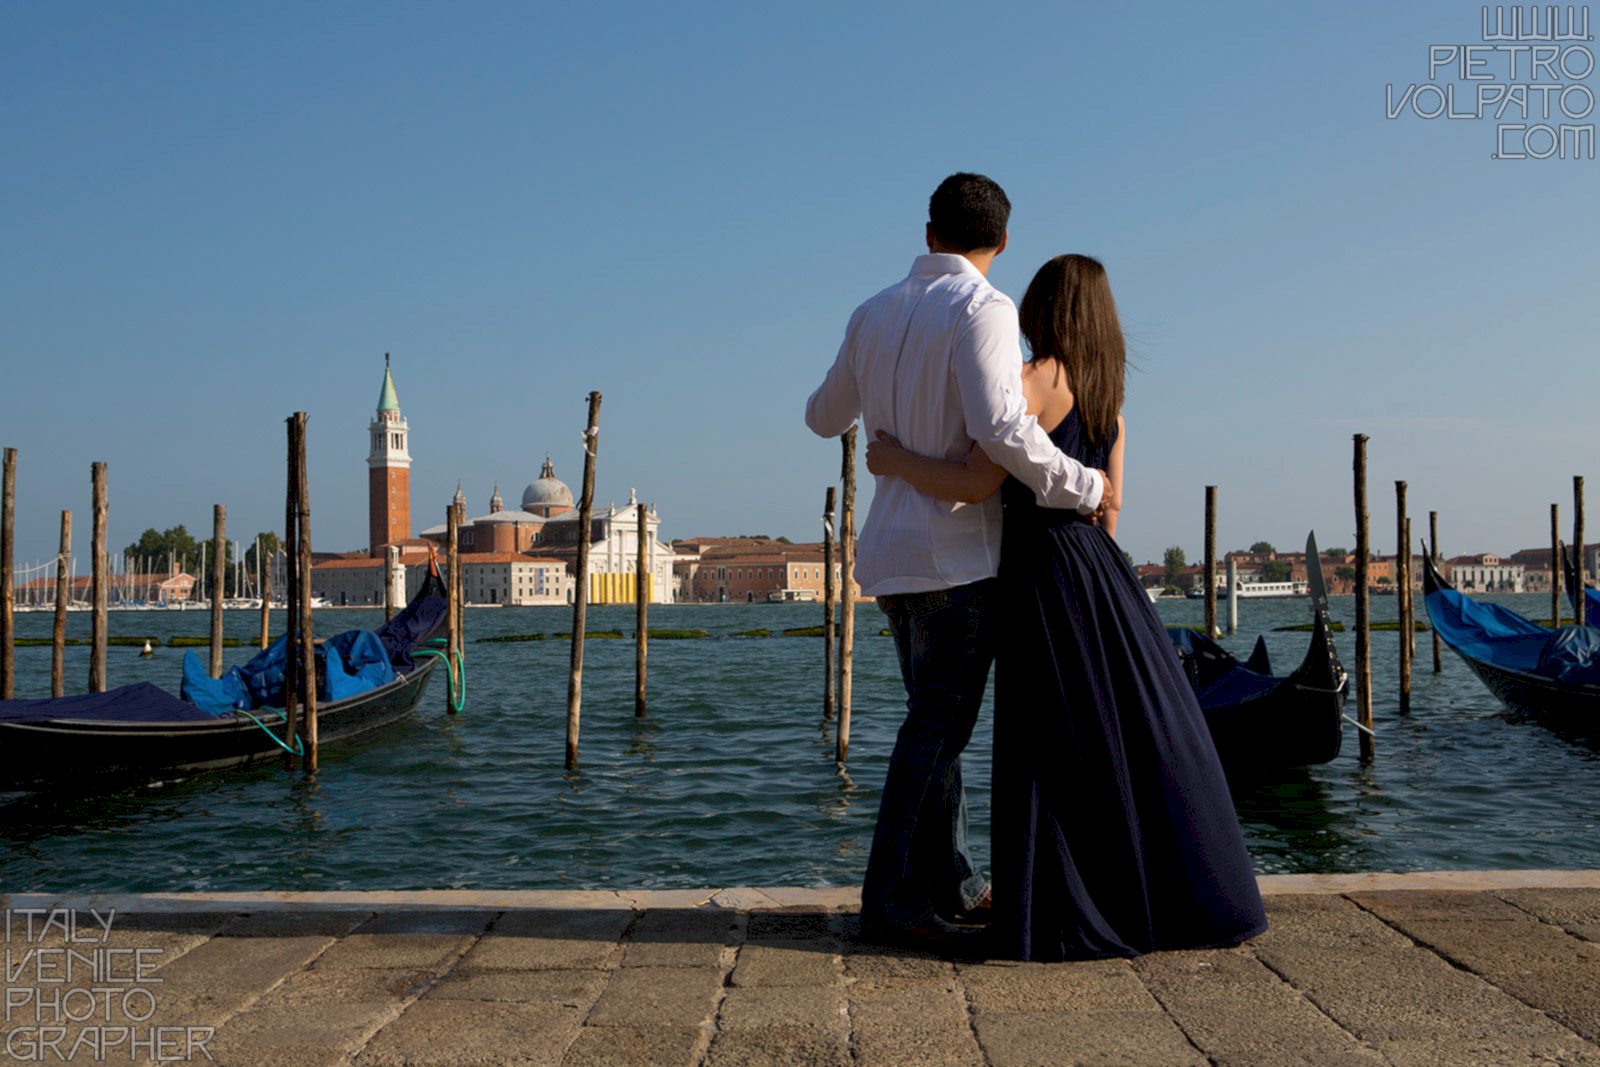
1114,829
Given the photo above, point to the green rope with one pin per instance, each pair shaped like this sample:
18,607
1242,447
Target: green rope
455,674
297,750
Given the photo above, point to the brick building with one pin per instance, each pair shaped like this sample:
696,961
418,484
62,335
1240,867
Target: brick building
714,570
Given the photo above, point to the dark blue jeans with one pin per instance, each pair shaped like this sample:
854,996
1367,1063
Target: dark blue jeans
919,864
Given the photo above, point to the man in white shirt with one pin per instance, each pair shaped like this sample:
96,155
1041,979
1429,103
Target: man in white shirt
936,361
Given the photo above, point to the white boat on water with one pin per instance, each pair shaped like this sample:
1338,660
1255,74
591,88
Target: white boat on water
791,596
1266,590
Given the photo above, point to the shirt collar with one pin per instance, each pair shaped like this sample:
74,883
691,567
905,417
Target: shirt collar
943,263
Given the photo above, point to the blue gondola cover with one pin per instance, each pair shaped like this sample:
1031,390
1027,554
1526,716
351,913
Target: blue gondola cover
1499,636
141,702
218,696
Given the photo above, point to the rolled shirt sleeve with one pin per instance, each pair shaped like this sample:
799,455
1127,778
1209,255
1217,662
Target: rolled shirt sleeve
837,401
987,363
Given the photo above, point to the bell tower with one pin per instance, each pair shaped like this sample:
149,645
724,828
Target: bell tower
388,471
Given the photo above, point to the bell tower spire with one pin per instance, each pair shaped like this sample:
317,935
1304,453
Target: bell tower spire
388,470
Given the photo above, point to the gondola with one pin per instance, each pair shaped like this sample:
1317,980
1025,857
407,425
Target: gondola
142,732
1261,722
1543,673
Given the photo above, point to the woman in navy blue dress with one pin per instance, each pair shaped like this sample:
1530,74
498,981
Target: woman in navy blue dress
1114,830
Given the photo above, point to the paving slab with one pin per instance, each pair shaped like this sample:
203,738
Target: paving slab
1236,1010
773,962
779,1046
648,1046
820,1007
497,952
319,985
241,968
326,922
462,922
1402,998
742,898
1100,985
658,996
597,924
1028,1038
572,988
344,1025
681,937
440,1032
869,962
1577,911
386,951
887,1011
789,924
917,1048
1538,963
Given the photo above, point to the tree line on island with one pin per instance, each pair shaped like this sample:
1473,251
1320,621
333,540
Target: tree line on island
156,549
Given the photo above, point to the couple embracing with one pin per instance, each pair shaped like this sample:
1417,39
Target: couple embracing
989,542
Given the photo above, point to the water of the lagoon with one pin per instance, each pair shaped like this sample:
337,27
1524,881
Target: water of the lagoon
730,780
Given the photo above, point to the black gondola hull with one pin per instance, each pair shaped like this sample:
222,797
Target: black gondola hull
1296,722
65,753
1294,726
1538,697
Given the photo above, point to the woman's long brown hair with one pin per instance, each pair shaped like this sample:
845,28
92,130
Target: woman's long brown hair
1069,315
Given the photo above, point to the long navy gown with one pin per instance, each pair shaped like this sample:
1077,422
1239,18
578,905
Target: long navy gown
1114,830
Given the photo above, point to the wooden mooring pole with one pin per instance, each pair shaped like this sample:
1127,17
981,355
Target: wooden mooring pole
291,598
1363,623
308,649
460,589
1555,566
580,593
8,592
264,587
58,636
829,591
98,623
1432,549
1411,605
847,592
641,596
1402,580
1232,580
452,562
1211,562
219,571
1579,595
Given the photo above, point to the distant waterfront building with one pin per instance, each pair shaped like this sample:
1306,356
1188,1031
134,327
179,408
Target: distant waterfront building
514,579
546,528
388,472
1486,573
745,570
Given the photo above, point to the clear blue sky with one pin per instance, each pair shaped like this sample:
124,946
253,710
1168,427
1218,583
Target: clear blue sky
214,215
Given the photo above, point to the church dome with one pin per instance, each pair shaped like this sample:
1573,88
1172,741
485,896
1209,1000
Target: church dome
548,491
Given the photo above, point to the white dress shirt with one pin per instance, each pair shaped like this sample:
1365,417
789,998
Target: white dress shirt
936,361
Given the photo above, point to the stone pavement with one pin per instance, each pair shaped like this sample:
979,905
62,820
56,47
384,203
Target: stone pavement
1468,968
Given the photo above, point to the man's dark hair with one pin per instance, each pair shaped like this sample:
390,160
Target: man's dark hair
969,212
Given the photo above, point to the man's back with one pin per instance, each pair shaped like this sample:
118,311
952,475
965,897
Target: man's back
899,354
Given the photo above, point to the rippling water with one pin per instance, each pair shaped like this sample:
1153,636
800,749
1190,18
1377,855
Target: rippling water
730,779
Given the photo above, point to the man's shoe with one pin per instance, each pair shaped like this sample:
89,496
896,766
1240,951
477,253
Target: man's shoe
979,914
